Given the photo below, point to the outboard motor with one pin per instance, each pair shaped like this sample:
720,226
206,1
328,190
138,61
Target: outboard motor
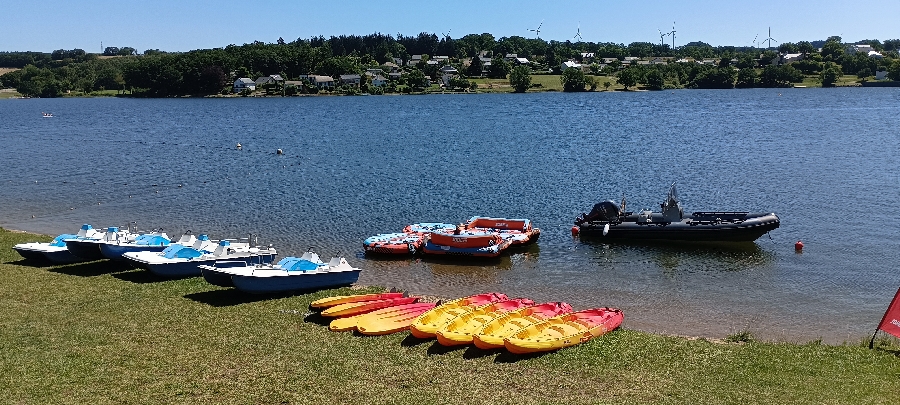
607,211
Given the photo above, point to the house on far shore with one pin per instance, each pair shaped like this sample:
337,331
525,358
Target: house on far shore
379,81
322,82
569,64
791,57
864,48
275,79
243,83
353,79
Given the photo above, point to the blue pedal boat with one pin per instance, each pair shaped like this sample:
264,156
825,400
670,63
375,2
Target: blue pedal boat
55,252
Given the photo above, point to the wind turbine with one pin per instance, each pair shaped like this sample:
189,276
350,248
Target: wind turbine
447,35
770,39
578,33
537,30
754,41
673,35
661,36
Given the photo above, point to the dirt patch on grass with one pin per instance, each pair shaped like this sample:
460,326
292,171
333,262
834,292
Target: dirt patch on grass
4,70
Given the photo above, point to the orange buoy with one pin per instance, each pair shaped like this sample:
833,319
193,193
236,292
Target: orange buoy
575,230
798,246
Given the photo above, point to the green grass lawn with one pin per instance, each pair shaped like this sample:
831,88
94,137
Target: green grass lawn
101,333
9,93
545,82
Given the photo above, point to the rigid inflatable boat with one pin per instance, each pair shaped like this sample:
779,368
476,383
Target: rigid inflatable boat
610,221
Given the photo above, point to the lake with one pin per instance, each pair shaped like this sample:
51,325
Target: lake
824,160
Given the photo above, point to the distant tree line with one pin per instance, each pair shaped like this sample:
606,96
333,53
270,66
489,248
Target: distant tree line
209,71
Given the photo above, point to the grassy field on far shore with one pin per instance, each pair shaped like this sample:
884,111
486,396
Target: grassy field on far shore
9,93
103,333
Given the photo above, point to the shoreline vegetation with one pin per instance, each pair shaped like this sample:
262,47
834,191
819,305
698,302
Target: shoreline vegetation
379,64
101,332
484,85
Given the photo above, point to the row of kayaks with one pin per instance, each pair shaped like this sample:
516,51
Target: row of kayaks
477,237
226,263
488,321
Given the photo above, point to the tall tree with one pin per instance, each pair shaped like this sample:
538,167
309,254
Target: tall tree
475,67
629,77
520,78
499,68
573,80
833,49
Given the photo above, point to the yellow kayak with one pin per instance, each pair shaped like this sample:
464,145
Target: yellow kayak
461,329
564,330
346,323
391,320
492,333
356,308
427,324
346,299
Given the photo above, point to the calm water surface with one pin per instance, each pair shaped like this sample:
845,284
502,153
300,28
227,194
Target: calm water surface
825,160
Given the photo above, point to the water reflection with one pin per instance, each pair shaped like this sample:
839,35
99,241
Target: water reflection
683,257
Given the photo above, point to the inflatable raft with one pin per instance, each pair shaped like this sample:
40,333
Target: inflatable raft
408,242
466,243
517,231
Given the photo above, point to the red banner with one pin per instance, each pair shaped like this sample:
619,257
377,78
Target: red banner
891,321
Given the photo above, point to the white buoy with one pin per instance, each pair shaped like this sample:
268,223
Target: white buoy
239,145
279,151
605,229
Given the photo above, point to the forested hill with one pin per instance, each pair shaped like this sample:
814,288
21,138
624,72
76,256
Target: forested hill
157,73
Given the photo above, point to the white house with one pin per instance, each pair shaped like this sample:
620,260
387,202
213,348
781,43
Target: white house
322,82
791,57
865,48
569,64
875,54
521,61
244,83
880,75
379,81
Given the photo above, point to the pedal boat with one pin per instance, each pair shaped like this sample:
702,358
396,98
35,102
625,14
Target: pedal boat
55,252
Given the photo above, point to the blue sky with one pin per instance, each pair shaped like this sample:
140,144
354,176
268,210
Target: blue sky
185,25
